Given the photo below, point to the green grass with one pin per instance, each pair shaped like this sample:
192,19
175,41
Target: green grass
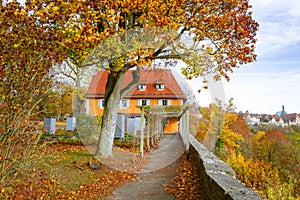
64,167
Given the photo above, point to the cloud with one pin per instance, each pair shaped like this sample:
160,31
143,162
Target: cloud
279,26
274,80
266,7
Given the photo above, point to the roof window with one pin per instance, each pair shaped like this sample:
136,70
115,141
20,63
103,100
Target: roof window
142,87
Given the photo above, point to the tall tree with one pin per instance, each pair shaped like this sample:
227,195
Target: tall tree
29,45
74,74
58,103
222,34
215,128
80,37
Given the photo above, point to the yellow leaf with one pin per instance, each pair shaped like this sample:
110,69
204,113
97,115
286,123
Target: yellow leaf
209,50
23,12
55,8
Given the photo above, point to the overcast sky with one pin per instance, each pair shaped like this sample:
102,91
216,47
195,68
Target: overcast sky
274,79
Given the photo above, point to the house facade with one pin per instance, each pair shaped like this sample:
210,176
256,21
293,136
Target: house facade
156,87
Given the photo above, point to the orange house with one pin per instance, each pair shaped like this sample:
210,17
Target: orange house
156,87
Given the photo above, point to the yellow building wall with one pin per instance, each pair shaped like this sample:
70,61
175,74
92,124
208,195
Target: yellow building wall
93,107
173,122
176,101
94,110
172,126
132,108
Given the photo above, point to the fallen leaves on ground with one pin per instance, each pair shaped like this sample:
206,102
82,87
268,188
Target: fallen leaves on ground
186,185
46,188
101,187
61,148
126,161
58,177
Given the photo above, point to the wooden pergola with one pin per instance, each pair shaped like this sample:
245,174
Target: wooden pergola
155,121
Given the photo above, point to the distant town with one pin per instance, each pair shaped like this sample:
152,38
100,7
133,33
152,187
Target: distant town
280,118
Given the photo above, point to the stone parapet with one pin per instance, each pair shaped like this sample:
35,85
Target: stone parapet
218,179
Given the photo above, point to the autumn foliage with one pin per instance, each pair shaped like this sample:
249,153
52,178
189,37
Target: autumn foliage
186,185
265,161
29,46
58,103
37,35
215,130
262,177
56,176
222,32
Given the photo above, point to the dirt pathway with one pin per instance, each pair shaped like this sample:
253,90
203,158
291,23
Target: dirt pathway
160,169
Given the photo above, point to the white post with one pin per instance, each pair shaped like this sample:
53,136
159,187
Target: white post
87,106
148,131
181,121
152,128
187,130
156,128
184,124
142,133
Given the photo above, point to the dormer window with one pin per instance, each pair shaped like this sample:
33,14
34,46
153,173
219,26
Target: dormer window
159,86
142,87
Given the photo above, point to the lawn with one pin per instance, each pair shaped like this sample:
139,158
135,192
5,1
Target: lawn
69,166
63,172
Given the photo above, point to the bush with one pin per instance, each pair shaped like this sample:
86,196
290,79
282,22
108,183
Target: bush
262,177
87,128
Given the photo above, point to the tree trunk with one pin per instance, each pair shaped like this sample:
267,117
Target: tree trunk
109,118
78,105
113,94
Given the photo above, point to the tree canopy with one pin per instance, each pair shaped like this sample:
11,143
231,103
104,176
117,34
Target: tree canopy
130,34
39,33
223,32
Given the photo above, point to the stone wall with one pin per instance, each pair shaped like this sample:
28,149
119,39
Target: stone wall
217,177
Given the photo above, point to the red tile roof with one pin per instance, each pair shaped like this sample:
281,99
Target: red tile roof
149,77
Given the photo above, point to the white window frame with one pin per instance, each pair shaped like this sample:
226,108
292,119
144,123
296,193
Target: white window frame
169,102
161,102
100,103
142,87
160,87
181,101
124,103
140,102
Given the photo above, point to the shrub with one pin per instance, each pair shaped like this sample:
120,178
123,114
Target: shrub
262,177
87,128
